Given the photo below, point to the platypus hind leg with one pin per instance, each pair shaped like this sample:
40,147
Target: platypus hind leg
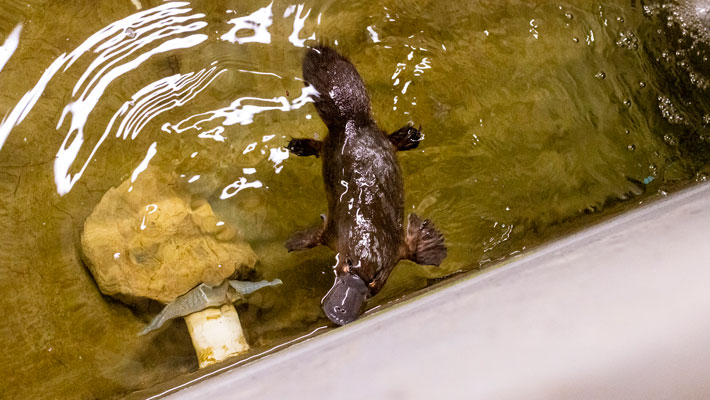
305,147
406,138
425,244
307,238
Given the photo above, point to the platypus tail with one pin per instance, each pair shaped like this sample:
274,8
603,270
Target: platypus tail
342,94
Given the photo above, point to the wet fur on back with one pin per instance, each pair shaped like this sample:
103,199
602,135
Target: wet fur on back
364,187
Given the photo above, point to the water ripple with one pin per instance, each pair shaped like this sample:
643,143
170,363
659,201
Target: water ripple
114,45
123,46
9,46
120,47
299,21
240,113
258,22
163,95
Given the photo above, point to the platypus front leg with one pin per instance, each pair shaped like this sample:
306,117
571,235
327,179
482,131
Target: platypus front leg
424,244
307,238
406,138
305,147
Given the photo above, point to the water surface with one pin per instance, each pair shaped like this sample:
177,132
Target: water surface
538,118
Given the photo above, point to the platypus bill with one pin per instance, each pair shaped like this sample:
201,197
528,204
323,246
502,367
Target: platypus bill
363,183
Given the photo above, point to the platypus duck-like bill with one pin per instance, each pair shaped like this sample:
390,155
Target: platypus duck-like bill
364,188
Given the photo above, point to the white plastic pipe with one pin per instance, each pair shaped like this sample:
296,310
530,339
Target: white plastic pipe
216,334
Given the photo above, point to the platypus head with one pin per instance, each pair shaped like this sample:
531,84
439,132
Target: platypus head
357,277
343,302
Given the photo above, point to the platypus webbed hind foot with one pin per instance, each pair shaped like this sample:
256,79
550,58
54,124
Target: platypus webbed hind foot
425,244
305,147
406,138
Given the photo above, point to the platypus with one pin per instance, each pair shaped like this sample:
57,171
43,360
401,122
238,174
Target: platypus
363,184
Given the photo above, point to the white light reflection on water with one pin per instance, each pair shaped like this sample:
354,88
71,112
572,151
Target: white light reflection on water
277,156
9,46
150,208
154,99
423,65
299,21
23,107
261,73
114,44
373,35
243,114
123,46
402,74
258,22
145,28
214,134
165,94
237,186
152,150
250,147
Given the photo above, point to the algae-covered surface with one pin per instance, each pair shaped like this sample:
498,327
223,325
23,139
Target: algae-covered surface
539,117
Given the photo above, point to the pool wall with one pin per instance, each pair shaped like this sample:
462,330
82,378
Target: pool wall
619,310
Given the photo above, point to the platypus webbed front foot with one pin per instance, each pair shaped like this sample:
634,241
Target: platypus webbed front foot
304,239
406,138
307,238
305,147
425,244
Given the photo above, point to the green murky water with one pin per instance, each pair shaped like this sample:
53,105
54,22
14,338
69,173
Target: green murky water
538,118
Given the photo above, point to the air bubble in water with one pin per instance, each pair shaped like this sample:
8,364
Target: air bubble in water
668,138
628,40
669,112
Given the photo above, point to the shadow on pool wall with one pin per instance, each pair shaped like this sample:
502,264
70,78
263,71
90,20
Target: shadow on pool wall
538,120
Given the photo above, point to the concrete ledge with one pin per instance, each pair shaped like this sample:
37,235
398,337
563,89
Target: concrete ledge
621,310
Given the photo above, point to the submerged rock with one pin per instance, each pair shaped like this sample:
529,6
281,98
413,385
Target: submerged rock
146,238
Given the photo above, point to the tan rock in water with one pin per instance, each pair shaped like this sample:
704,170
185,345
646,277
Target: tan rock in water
148,239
